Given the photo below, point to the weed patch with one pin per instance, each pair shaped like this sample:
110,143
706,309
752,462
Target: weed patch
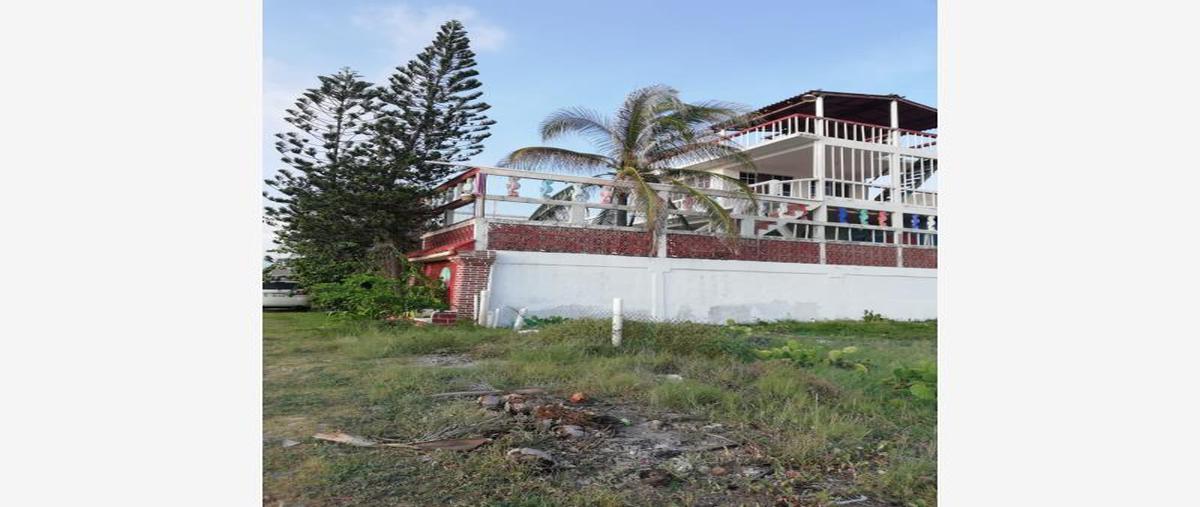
810,432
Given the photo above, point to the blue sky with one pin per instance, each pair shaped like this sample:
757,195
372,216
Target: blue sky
537,56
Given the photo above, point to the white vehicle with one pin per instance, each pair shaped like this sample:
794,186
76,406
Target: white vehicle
284,294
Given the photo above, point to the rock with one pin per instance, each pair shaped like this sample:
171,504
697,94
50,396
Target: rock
718,471
680,465
570,431
713,427
754,472
490,402
791,474
666,453
654,425
578,398
655,477
516,404
673,377
287,442
530,456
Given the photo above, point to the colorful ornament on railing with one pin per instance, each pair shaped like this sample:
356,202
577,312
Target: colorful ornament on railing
883,218
914,221
864,217
547,189
932,223
802,211
514,184
689,202
606,195
843,216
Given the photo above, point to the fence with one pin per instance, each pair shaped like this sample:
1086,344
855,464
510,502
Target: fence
804,124
780,209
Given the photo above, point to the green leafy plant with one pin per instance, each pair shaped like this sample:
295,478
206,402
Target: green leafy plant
532,321
846,358
372,296
919,381
798,354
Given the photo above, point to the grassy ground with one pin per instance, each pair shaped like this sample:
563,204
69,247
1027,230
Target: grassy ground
814,435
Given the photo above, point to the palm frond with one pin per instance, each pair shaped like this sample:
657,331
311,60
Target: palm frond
539,158
647,197
582,121
713,210
684,153
636,117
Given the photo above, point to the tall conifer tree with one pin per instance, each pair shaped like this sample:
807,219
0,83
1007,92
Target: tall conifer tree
355,189
431,109
325,149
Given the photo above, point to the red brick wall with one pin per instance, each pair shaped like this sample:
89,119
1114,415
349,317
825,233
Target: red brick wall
448,238
444,318
691,246
860,255
545,238
470,276
920,258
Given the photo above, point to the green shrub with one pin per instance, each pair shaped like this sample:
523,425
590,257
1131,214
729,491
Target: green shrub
805,356
532,321
793,351
919,381
846,358
372,296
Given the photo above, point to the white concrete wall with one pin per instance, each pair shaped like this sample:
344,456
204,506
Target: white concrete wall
578,285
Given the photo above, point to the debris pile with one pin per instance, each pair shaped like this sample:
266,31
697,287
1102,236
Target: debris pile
613,444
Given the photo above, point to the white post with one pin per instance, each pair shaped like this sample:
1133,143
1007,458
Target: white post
495,322
520,322
616,323
481,311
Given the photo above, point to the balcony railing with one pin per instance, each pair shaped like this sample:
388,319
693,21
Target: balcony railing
780,209
804,188
803,124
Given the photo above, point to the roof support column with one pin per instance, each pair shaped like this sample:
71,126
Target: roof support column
820,110
897,177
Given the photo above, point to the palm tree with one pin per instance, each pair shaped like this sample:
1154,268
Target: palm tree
652,136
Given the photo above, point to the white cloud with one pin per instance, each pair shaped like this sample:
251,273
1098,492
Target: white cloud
411,29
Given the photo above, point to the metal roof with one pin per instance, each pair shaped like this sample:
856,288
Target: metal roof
860,107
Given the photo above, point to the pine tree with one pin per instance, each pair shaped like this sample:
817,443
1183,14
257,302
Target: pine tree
431,109
354,194
326,149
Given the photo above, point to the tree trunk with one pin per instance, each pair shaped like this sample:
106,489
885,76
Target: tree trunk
387,259
622,198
